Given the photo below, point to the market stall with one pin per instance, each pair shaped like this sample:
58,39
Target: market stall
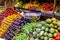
30,20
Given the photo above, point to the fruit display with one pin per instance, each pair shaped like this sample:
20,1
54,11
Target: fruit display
14,28
19,4
57,37
28,21
7,22
21,36
48,6
1,9
44,30
30,5
7,12
27,5
33,5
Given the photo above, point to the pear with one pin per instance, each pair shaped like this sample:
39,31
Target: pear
55,22
51,25
47,29
56,31
59,29
55,34
45,34
50,35
45,38
55,26
54,19
42,37
34,33
38,35
52,30
48,20
58,24
31,38
43,28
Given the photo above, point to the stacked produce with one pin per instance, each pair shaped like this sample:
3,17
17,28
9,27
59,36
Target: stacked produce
7,22
44,30
1,9
7,12
14,28
32,6
21,36
57,37
35,5
19,4
48,7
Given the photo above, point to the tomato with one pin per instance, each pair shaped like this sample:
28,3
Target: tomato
58,34
57,38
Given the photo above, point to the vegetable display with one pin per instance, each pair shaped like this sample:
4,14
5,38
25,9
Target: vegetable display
48,7
21,36
19,4
57,37
44,30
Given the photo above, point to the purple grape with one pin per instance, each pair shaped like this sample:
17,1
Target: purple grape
17,27
16,23
19,21
7,36
11,36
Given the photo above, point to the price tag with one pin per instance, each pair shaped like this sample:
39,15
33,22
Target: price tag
31,15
